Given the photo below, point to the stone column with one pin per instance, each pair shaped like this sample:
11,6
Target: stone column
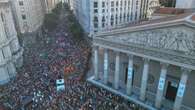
114,20
181,89
91,18
105,66
126,11
117,71
130,75
118,13
123,5
109,14
161,85
96,62
99,15
144,80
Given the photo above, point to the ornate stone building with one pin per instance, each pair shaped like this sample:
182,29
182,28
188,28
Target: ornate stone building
28,14
10,50
152,63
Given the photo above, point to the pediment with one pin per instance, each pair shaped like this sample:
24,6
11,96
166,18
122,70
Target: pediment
179,39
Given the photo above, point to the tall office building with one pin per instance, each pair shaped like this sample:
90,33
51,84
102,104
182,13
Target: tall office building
109,14
29,14
10,50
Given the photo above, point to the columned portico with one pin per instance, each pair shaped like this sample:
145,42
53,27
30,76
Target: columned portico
105,78
181,89
117,70
161,85
144,80
96,62
130,75
169,43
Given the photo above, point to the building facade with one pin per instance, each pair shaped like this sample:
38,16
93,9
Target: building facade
151,64
108,14
81,11
185,4
10,50
70,3
28,14
49,5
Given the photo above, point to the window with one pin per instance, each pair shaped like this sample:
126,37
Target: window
103,25
112,23
136,15
96,19
23,17
112,17
21,3
103,19
128,16
103,4
95,4
112,4
120,17
95,10
95,25
103,10
112,9
136,2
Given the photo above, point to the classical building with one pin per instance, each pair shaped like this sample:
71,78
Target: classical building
28,14
185,4
104,15
151,63
10,50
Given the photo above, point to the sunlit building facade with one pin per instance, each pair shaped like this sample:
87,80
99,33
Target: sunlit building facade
10,50
28,14
104,15
151,63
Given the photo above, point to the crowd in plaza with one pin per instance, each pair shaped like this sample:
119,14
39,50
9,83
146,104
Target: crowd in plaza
58,55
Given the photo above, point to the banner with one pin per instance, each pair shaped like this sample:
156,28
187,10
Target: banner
130,72
60,84
181,90
161,83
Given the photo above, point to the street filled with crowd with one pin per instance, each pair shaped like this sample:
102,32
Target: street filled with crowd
58,55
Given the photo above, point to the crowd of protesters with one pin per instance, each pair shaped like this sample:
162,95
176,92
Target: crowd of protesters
58,55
